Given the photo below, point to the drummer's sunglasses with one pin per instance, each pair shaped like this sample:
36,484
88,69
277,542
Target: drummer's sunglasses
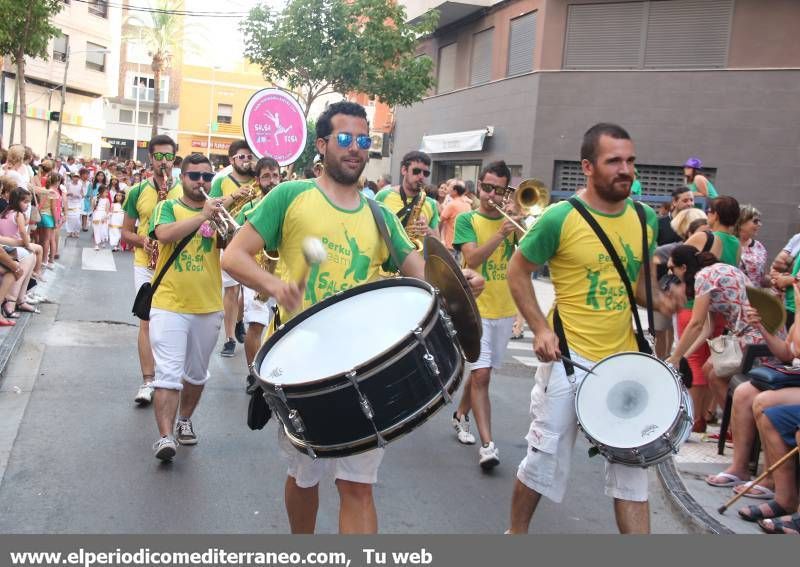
344,139
499,190
196,175
169,156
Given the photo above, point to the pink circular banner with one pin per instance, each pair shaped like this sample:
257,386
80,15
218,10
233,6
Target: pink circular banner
274,126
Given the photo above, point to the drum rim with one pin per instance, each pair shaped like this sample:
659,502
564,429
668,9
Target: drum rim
333,299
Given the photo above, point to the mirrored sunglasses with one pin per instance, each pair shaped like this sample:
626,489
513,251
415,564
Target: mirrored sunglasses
345,139
169,156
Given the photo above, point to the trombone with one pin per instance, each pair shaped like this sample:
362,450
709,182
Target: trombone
531,197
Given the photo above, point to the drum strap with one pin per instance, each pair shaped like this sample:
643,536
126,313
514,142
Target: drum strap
381,222
558,328
644,345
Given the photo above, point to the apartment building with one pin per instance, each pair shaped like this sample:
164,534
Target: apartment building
381,121
521,80
84,53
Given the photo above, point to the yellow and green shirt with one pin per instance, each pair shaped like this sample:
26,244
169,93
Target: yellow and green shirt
140,200
591,298
225,186
356,251
193,284
394,201
495,302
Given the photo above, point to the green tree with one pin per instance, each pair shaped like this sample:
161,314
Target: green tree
317,47
306,159
25,30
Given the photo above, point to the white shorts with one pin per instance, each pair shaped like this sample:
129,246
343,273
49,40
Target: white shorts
308,472
256,311
141,276
551,439
182,344
227,280
494,342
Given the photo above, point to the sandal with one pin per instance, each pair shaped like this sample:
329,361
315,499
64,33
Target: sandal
755,512
758,491
9,314
780,525
729,480
27,308
517,337
7,323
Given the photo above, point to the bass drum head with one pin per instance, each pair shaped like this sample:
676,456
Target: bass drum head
630,400
345,334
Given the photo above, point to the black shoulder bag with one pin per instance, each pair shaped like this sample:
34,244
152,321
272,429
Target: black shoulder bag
641,341
144,297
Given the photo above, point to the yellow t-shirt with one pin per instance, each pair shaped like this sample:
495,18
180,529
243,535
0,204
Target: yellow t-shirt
193,284
495,302
140,200
394,201
226,186
591,297
356,251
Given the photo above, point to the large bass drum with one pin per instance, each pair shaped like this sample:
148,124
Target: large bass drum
361,368
634,409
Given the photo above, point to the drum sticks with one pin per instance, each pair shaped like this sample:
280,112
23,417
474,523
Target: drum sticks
578,365
314,253
753,483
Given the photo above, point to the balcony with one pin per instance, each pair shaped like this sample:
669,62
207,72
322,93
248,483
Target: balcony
449,12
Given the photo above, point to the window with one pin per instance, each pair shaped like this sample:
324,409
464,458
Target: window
60,47
224,113
95,56
126,116
666,34
146,87
521,44
446,69
481,65
144,118
655,179
98,8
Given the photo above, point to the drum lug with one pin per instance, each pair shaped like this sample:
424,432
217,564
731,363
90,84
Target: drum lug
366,407
639,456
448,323
297,422
281,395
430,362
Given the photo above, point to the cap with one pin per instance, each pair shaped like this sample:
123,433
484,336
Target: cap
694,163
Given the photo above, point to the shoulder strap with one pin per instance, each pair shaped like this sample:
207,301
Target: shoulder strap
563,346
381,222
181,245
709,241
646,265
612,253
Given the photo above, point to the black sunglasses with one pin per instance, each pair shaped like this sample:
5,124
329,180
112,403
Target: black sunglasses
196,175
418,170
499,190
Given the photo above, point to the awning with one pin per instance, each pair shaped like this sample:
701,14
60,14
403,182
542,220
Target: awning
468,141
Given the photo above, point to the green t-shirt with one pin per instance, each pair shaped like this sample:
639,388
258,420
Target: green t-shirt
296,210
393,200
730,248
495,302
140,201
712,192
789,297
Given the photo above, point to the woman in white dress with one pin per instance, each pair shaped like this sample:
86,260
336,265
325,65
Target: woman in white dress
100,214
115,221
75,194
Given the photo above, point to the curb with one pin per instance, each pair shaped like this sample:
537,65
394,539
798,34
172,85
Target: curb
11,342
686,506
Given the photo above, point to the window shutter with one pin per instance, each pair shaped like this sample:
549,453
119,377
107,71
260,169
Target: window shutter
688,34
604,36
481,66
446,71
522,43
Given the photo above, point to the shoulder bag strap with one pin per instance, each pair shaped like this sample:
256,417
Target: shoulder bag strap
646,265
563,346
614,258
181,245
709,242
381,222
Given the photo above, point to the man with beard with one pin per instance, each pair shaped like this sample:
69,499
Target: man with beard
595,314
415,170
257,313
330,208
235,184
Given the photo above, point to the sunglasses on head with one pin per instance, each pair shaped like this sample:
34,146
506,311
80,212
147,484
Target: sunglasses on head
344,139
196,175
418,170
169,156
499,190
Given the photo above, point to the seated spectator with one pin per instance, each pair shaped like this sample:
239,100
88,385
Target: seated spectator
14,226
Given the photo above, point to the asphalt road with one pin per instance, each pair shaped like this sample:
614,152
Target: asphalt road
75,451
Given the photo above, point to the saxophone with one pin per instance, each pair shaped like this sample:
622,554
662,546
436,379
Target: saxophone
253,194
166,183
411,222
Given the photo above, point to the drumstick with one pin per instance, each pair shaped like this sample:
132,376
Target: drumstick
314,253
578,365
753,483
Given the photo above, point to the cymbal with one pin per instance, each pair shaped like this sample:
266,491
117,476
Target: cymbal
769,307
443,273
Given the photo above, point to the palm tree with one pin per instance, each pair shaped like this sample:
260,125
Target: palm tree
161,32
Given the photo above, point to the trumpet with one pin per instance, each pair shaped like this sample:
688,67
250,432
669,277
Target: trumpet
531,198
224,224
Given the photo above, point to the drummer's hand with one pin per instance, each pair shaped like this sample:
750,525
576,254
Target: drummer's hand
545,345
475,281
289,295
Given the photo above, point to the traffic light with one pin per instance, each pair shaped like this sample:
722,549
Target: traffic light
55,116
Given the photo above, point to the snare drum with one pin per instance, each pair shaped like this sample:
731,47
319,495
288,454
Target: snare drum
634,409
361,368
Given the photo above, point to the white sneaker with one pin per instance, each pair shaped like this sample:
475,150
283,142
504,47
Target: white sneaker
145,394
462,430
489,456
165,448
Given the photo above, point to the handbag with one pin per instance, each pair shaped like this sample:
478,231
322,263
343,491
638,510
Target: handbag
726,355
770,376
144,297
258,411
36,216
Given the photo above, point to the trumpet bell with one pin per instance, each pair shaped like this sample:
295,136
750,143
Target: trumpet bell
530,194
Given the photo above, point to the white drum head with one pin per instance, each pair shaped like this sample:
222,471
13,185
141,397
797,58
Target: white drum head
629,401
346,334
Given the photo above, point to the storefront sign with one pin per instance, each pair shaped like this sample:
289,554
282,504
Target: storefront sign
469,141
214,145
274,125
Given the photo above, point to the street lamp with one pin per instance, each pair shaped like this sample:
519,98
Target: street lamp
64,90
